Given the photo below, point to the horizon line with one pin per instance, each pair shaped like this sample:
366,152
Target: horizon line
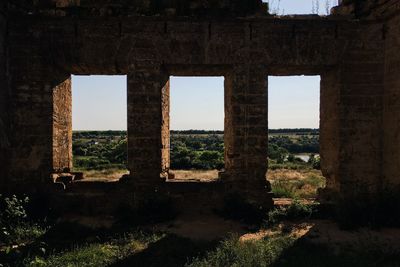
110,130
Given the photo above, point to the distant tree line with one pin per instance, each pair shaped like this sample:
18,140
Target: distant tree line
298,131
96,134
195,132
192,149
85,134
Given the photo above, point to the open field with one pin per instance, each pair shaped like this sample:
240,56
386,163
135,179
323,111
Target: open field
286,183
296,183
197,175
106,175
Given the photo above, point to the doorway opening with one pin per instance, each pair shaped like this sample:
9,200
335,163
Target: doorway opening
293,144
99,123
197,124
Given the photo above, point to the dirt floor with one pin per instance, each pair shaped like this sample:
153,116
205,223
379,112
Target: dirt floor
112,175
195,175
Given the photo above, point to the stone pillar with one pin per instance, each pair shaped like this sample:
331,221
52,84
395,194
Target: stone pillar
62,127
352,120
246,133
4,101
165,130
41,129
147,148
329,130
391,116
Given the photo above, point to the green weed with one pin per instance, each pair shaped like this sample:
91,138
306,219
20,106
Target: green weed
233,252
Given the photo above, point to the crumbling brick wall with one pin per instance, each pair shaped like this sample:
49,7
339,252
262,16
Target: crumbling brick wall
4,127
61,38
360,112
62,127
106,8
391,102
368,9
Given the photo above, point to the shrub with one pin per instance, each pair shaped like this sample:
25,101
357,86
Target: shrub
233,252
12,217
15,226
283,188
294,211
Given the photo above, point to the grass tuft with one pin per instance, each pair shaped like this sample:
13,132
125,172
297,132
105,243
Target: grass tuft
233,252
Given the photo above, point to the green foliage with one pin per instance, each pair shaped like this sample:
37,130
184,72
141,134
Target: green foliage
96,254
284,189
288,165
277,153
297,144
102,150
315,162
204,152
193,149
233,252
294,131
298,188
12,210
90,255
294,211
316,181
13,218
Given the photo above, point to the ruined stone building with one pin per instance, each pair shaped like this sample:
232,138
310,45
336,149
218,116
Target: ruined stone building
355,51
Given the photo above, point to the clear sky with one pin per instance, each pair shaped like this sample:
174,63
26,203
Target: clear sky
293,102
288,7
100,103
197,103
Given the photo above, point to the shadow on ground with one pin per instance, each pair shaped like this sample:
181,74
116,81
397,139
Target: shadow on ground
323,243
306,242
170,251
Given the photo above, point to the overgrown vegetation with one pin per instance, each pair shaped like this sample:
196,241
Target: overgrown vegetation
99,150
295,211
197,151
194,149
66,245
233,252
15,226
296,184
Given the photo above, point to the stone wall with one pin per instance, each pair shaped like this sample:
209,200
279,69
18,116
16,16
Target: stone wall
391,103
46,51
360,112
368,9
36,85
165,130
349,55
246,130
330,129
147,85
351,116
4,127
62,127
106,8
